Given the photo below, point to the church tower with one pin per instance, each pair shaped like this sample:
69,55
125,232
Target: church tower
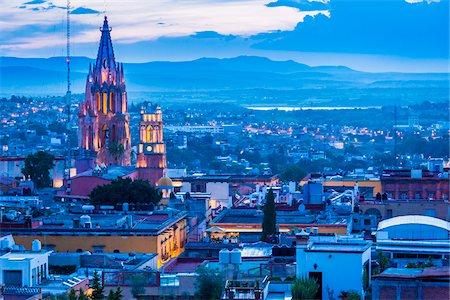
151,157
103,118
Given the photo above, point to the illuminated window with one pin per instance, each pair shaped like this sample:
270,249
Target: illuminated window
148,134
105,103
97,100
111,101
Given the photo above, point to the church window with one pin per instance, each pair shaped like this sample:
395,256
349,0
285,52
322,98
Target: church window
148,134
111,101
105,103
97,100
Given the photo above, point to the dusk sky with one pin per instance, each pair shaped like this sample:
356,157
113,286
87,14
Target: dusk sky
372,35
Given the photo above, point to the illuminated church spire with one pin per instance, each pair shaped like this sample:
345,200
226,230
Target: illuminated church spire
103,117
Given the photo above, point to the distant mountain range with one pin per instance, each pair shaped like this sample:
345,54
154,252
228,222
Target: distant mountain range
40,76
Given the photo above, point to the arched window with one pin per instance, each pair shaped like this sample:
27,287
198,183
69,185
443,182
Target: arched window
97,101
103,135
111,102
148,134
90,138
105,103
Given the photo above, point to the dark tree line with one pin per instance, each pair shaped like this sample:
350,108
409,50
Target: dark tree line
123,190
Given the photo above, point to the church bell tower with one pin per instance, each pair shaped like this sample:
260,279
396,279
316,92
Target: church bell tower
151,157
103,118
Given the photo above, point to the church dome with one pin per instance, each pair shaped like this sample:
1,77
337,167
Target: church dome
164,181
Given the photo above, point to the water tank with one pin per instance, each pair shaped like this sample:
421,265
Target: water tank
106,207
125,206
235,256
224,256
88,207
4,244
36,246
84,219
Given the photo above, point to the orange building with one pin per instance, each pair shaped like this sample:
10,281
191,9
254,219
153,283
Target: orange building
163,232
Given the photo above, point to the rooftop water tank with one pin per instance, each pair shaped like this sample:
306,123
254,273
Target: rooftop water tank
235,256
88,207
84,219
36,246
224,256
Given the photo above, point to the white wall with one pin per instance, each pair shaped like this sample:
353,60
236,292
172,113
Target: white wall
341,271
24,262
219,192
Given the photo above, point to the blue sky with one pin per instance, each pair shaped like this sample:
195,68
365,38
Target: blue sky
372,35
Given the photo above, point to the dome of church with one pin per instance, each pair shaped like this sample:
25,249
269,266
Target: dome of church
164,181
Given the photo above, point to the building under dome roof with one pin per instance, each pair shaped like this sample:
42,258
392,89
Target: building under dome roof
414,227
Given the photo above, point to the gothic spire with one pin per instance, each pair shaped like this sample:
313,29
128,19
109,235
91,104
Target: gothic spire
105,58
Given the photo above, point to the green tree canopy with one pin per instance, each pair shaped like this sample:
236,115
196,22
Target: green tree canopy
209,283
269,225
293,173
125,190
97,287
37,167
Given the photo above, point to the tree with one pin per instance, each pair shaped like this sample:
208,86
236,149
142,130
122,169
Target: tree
118,293
304,288
137,285
269,225
293,173
72,294
37,166
82,295
97,288
125,190
208,284
383,261
116,150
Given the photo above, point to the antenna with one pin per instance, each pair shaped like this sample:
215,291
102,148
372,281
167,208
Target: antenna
395,134
68,99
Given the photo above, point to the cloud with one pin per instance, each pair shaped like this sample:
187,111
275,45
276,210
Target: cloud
84,11
371,27
35,2
303,5
212,35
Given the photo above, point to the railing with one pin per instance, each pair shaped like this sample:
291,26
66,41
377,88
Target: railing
19,290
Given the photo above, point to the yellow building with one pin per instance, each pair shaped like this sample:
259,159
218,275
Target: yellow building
163,232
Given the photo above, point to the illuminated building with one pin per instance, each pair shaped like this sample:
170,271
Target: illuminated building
103,118
151,157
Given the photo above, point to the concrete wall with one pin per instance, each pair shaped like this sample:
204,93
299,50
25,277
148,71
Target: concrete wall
34,268
219,192
341,271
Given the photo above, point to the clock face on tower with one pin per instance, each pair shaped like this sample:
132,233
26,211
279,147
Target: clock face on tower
148,149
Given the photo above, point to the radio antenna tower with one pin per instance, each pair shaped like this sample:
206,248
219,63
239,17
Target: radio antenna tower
68,100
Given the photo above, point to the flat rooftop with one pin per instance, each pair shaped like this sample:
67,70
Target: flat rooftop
253,216
118,222
112,172
338,247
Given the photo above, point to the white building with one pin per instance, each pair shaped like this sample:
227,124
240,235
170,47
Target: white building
24,268
338,263
414,238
